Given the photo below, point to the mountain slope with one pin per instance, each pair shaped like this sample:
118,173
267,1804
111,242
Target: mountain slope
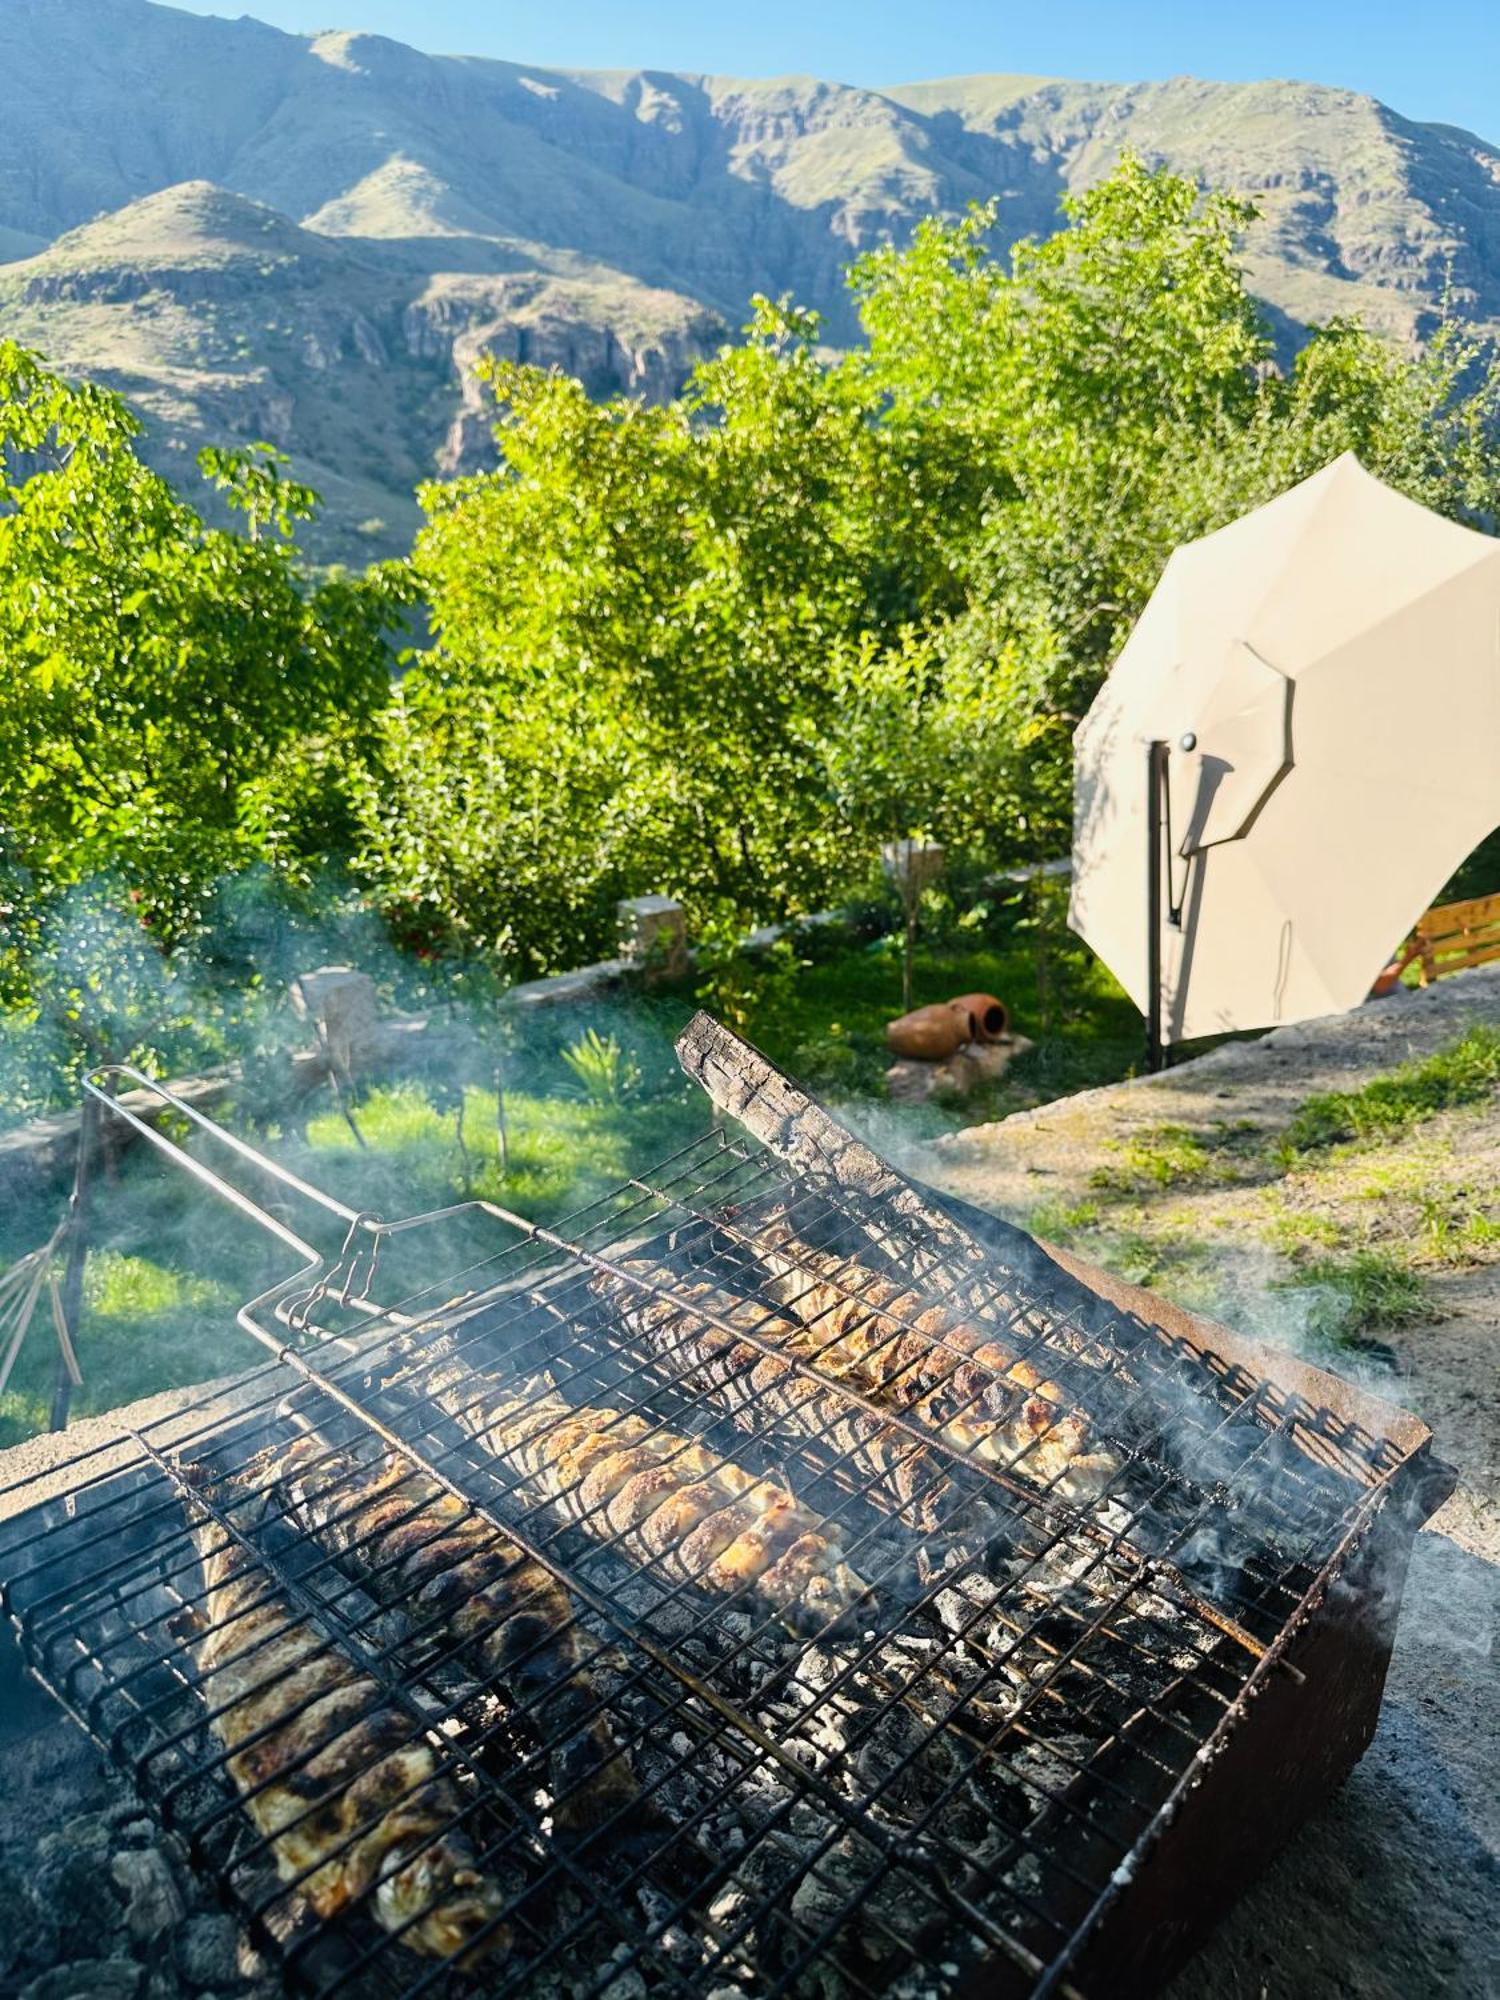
310,238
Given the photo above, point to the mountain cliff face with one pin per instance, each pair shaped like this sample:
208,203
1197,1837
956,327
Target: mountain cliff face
311,238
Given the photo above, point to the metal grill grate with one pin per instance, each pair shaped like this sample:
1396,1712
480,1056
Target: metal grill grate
957,1768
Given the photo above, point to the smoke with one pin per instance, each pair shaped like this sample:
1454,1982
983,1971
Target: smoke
899,1133
169,1262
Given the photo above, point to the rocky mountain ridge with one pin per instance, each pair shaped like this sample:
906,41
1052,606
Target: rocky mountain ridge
252,233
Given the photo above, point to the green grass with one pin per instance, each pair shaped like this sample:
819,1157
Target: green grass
560,1151
1449,1233
174,1264
145,1327
1293,1231
1466,1071
1167,1156
1357,1296
1061,1221
159,1302
1161,1156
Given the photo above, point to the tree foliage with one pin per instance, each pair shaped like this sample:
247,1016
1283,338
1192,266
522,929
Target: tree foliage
726,647
157,676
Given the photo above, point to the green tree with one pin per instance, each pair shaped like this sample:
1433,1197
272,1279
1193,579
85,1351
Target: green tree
154,672
628,618
724,647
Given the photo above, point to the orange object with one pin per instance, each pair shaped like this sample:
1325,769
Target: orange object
1449,938
987,1019
929,1033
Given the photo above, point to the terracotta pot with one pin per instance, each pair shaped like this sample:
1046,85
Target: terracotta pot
986,1019
929,1033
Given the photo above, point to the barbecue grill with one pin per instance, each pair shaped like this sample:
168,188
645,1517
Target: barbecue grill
1050,1741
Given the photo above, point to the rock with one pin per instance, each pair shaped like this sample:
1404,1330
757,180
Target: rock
71,1885
153,1901
87,1979
342,1005
208,1951
653,934
911,865
912,1082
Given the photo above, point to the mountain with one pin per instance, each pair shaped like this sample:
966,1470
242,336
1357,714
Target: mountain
310,239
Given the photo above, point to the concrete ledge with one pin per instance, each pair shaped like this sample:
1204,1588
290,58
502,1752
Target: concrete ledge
43,1151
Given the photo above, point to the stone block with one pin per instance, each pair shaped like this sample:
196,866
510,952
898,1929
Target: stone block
911,865
913,1082
340,1004
653,934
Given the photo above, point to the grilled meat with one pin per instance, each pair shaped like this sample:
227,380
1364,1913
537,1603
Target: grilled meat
412,1545
891,1467
344,1787
895,1345
666,1498
982,1400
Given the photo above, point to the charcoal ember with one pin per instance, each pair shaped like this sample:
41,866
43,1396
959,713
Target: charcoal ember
17,1921
71,1886
1026,1877
207,1948
628,1984
895,1765
818,1667
88,1979
672,1940
153,1900
827,1887
1043,1766
961,1604
1001,1806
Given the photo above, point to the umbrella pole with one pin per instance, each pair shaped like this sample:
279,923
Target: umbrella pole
1156,775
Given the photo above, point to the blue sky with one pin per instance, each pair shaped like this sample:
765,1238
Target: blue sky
1429,62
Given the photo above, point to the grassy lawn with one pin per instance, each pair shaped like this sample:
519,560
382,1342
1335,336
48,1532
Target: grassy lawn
827,1025
1340,1225
173,1264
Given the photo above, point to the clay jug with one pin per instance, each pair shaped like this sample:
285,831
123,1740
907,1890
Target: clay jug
929,1033
985,1018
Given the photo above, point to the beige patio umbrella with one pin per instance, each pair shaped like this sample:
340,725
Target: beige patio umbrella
1325,673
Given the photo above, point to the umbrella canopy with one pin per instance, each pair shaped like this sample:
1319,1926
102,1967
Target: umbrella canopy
1326,674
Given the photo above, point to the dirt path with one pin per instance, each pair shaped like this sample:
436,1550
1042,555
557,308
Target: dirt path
1184,1181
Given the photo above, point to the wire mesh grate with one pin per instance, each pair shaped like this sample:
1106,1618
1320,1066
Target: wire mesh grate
725,1573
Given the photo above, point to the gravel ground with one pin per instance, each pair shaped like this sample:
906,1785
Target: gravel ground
1394,1890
